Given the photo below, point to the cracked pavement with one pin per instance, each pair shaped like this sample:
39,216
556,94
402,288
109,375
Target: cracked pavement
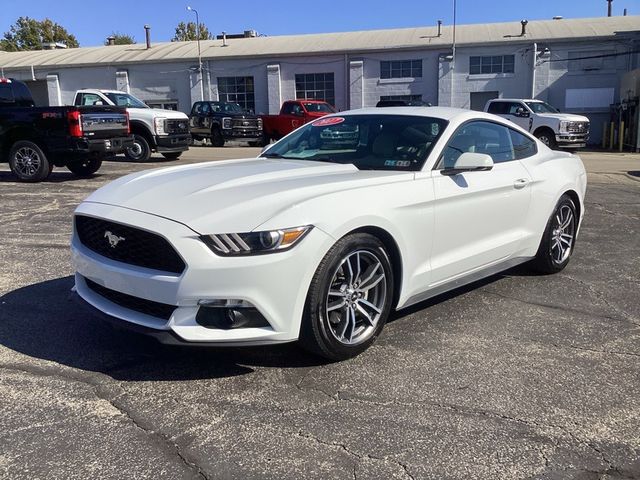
517,376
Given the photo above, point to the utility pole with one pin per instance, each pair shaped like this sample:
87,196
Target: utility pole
609,2
199,55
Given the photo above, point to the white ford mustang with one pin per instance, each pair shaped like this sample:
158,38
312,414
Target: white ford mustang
325,233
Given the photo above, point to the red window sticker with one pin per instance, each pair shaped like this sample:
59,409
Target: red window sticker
325,122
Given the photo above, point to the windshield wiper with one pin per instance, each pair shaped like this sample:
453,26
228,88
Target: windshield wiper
271,155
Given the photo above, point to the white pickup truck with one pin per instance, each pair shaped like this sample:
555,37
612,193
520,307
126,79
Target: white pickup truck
153,129
551,127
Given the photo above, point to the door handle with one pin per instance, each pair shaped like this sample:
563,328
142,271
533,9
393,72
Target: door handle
521,183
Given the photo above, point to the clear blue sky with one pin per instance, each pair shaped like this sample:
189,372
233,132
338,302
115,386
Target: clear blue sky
91,21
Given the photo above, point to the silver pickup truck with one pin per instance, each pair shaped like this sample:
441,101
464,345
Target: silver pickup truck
547,123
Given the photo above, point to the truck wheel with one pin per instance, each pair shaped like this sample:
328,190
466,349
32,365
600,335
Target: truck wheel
217,140
548,138
140,151
85,168
172,155
28,162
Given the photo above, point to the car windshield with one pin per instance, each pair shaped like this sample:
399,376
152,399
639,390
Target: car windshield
319,107
370,142
126,100
542,107
225,107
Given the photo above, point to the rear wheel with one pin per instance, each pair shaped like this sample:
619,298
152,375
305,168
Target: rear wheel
139,151
172,155
349,298
217,140
86,167
558,239
28,162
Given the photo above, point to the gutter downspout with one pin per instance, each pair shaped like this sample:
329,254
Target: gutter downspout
533,70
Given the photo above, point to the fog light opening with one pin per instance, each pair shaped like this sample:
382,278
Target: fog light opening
230,318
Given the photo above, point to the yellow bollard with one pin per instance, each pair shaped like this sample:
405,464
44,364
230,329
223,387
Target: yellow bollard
604,136
611,136
621,136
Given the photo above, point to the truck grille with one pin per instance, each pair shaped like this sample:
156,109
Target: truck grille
578,127
128,244
175,125
247,123
148,307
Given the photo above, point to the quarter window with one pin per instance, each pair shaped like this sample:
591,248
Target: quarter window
316,86
238,90
523,146
401,69
492,64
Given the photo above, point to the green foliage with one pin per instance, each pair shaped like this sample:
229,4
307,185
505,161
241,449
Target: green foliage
29,34
122,39
188,32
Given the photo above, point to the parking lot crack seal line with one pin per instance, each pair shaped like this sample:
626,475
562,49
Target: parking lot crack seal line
98,389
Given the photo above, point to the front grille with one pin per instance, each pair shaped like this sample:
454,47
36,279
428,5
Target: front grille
248,123
177,126
128,244
148,307
578,127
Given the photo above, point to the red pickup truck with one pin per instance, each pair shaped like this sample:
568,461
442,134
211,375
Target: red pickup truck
293,114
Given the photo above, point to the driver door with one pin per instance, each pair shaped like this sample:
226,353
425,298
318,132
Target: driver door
479,215
519,114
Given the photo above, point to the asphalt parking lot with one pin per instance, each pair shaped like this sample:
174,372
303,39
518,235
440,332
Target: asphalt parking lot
518,376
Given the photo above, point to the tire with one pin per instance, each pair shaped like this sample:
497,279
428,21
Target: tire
28,162
85,168
217,140
548,138
140,152
557,244
334,325
172,155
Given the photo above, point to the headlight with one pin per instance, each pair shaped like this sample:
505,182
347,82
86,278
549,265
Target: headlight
226,123
565,125
255,243
158,124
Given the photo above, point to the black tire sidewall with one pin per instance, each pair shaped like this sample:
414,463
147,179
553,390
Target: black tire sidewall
172,155
45,167
145,149
543,261
85,168
217,140
551,140
314,333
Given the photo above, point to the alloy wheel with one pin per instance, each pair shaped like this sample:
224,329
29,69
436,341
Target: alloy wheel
562,234
27,161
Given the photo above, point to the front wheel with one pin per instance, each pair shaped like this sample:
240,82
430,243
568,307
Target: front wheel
28,162
349,298
558,239
548,138
172,155
139,151
217,140
86,167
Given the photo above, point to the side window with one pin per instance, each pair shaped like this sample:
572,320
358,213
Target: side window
513,107
287,108
6,93
479,137
497,108
196,108
523,146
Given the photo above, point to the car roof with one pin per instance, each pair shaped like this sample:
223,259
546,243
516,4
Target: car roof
445,113
93,90
515,100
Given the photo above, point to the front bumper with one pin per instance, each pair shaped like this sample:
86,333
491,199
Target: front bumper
230,134
173,142
276,284
574,140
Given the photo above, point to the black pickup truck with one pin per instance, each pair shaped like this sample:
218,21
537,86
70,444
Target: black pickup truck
35,139
221,121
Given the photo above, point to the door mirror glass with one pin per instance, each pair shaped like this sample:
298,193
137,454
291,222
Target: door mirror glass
469,162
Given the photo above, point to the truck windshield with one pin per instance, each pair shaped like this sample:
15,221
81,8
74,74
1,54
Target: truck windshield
319,107
125,100
370,142
542,107
226,107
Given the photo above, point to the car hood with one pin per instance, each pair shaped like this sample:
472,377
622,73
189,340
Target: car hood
156,112
564,116
234,195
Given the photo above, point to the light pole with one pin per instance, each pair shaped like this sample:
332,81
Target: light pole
199,55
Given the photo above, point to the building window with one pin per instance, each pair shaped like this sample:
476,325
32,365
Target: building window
316,86
494,64
402,98
237,90
164,104
401,69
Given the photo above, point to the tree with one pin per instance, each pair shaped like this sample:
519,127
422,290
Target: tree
29,34
188,32
122,39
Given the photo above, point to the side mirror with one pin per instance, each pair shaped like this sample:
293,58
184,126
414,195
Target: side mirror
470,162
521,112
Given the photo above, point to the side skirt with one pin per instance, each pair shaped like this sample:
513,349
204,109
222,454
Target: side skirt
465,280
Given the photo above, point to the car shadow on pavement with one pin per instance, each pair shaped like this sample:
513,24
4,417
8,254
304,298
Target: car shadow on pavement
57,176
43,321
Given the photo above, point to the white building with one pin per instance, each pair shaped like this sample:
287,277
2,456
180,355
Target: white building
576,65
